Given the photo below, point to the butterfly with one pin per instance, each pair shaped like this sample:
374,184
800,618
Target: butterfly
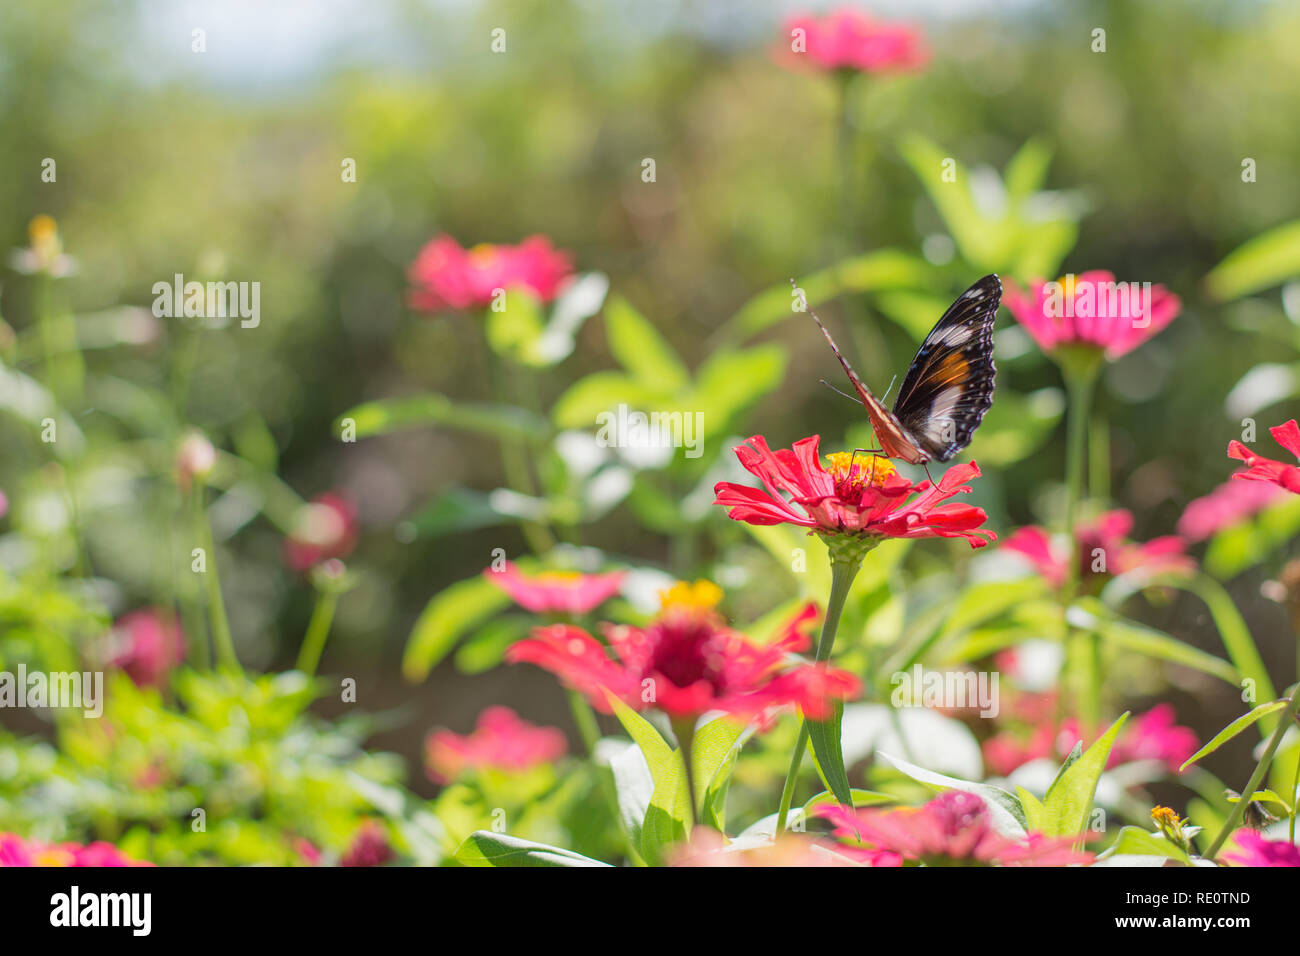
948,387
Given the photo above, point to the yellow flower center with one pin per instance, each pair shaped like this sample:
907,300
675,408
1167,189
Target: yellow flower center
859,470
566,579
701,596
483,253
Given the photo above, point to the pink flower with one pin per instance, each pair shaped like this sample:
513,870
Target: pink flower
369,846
15,851
446,276
325,528
863,497
953,828
306,851
1227,505
686,662
1257,851
1093,310
1103,540
850,39
556,592
1265,469
146,644
501,741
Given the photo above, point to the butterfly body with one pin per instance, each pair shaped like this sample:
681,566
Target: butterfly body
948,387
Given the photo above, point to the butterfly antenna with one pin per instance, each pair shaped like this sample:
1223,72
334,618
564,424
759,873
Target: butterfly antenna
884,398
852,398
844,363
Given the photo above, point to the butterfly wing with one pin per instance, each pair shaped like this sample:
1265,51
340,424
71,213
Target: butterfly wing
949,386
894,441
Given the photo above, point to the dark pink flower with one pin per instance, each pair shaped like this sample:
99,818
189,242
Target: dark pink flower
306,851
501,741
326,527
556,592
1259,468
447,276
850,39
954,828
1092,310
369,846
1227,505
15,851
1257,851
146,644
686,662
1103,540
864,497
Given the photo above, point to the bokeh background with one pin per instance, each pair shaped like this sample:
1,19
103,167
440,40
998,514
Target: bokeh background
226,165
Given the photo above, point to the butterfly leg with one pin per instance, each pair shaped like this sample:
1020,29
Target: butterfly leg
926,466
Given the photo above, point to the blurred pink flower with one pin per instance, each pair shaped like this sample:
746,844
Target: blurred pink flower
850,39
1259,468
689,661
447,276
306,851
15,851
1257,851
1091,309
146,644
1229,504
556,592
369,846
500,741
4,504
326,527
953,828
1108,535
1153,735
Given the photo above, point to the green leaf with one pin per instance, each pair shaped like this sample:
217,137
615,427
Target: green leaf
1090,614
1233,729
483,848
1069,799
1007,814
828,753
667,814
418,411
715,747
732,380
449,614
1035,812
516,331
640,349
861,798
584,401
1135,841
1269,259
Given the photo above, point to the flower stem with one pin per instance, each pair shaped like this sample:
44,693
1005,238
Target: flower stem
845,564
224,646
684,731
318,631
1256,778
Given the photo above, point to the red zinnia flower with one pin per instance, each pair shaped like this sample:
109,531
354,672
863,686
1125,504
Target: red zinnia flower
953,828
501,740
146,644
1092,310
1259,468
326,527
556,592
865,498
1227,505
1257,851
849,39
686,662
1109,535
447,276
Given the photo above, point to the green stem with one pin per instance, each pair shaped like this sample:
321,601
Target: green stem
684,731
1256,778
224,646
845,563
318,631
